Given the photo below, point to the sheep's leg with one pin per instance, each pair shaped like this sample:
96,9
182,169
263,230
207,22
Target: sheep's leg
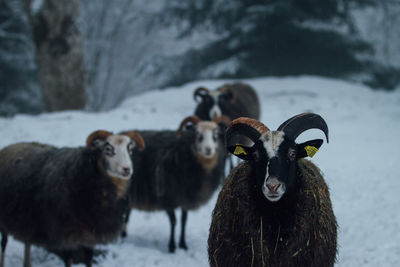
27,255
68,262
127,214
172,220
67,258
88,256
4,240
182,241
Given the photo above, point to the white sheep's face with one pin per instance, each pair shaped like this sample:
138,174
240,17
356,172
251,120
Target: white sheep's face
206,143
116,151
277,165
215,110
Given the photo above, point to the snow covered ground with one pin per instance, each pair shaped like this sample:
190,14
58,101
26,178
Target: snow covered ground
359,163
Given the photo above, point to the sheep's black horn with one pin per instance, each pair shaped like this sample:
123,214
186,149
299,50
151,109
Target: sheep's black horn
248,127
294,126
201,91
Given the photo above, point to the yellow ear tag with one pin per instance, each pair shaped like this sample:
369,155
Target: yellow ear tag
239,150
311,150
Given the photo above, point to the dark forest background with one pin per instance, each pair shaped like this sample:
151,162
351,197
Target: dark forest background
76,54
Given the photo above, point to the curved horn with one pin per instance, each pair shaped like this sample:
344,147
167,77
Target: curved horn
193,119
223,119
201,91
99,134
248,127
294,126
135,136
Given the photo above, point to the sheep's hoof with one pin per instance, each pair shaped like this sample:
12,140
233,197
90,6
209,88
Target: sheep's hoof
183,245
123,234
171,248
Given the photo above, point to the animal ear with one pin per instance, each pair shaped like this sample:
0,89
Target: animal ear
242,137
97,139
309,148
243,152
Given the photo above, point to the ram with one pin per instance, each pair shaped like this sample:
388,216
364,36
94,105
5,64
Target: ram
65,199
179,169
233,100
274,208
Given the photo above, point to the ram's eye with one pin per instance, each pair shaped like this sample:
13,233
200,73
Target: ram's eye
215,134
199,137
109,150
292,154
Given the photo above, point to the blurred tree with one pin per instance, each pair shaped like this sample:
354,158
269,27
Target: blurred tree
19,91
59,53
273,37
106,27
379,25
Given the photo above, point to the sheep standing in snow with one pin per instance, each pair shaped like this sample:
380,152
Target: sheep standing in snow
65,199
274,209
233,100
179,169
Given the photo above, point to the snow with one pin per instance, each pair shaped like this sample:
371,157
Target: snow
359,164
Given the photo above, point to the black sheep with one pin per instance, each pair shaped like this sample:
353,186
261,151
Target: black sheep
179,169
65,198
233,100
274,209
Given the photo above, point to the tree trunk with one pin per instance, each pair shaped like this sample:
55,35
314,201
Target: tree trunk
59,53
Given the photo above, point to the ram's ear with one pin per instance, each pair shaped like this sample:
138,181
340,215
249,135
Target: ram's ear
309,148
243,152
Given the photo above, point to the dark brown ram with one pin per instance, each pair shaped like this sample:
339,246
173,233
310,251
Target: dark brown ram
233,100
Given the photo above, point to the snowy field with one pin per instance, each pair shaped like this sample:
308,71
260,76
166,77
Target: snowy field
359,163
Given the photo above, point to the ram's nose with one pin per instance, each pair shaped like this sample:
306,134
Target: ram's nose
273,188
126,171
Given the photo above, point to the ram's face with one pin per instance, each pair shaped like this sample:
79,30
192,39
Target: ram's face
206,138
277,162
116,150
212,101
274,154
